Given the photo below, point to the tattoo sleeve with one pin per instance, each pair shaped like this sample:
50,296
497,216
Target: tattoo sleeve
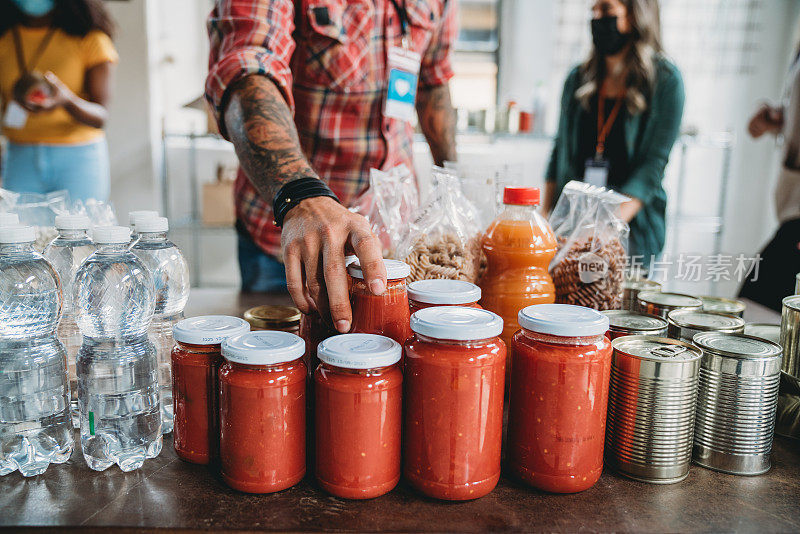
260,125
437,119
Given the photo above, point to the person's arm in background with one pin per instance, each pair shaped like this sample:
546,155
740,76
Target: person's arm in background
768,119
249,85
91,111
551,174
646,177
437,118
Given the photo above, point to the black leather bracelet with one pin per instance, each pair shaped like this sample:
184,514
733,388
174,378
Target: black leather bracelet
290,195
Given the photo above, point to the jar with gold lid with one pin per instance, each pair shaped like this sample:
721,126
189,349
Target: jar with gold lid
274,317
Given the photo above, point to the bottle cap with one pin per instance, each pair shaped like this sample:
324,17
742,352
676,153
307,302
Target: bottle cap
17,234
107,235
359,351
72,222
152,224
521,196
8,219
442,291
566,320
457,323
134,217
209,329
266,347
395,270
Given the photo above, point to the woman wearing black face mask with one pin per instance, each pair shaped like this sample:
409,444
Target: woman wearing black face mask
620,115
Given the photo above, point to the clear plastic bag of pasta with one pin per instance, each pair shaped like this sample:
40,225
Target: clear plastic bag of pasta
443,241
589,267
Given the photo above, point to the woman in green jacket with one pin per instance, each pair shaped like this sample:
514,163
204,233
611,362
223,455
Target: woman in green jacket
620,115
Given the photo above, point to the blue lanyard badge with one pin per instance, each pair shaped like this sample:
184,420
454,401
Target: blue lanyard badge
402,89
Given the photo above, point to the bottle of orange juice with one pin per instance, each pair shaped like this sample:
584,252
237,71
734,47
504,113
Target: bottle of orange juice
519,246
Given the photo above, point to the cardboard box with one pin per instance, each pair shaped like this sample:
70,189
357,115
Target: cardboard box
217,197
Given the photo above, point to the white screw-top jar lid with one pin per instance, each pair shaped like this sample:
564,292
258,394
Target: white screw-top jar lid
72,222
152,224
440,291
566,320
135,217
8,219
209,329
17,234
458,323
395,270
359,351
266,347
107,235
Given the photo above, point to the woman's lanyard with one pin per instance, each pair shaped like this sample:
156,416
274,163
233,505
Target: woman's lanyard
603,125
37,55
402,14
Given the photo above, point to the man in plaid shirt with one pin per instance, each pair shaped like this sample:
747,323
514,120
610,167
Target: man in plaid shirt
299,86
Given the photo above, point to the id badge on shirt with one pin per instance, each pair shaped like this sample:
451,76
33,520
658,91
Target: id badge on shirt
15,116
402,89
596,172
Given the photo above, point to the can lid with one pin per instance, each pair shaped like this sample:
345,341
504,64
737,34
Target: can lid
134,217
266,347
8,219
72,222
441,291
567,320
792,302
272,316
521,196
705,320
629,320
152,224
395,270
770,332
723,305
737,345
659,349
669,299
17,234
359,351
641,284
458,323
209,329
106,235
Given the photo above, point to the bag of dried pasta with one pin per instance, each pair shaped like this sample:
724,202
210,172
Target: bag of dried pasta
589,267
443,240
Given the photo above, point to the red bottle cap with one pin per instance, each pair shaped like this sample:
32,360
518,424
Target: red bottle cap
521,196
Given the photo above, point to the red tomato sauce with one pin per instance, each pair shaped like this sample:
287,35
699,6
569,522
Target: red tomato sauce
386,314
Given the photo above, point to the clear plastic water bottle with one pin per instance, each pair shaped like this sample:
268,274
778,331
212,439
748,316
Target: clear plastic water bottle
117,368
66,253
8,219
35,426
171,279
135,217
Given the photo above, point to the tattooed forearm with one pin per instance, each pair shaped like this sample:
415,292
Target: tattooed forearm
437,118
260,125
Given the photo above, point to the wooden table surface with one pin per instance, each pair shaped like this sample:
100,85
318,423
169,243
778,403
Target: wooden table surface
169,493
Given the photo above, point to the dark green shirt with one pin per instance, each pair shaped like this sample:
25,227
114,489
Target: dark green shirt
649,137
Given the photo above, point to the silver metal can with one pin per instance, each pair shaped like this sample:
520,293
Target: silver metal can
657,303
723,305
737,399
790,335
684,324
628,323
797,284
651,408
770,332
631,289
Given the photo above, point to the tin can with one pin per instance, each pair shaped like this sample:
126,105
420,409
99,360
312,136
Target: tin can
768,331
684,324
790,336
737,399
628,323
723,305
657,303
274,317
651,408
631,289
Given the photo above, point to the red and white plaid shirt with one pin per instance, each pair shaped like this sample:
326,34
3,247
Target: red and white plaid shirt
329,61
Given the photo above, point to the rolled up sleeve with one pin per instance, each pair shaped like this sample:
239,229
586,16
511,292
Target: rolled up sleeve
249,37
437,68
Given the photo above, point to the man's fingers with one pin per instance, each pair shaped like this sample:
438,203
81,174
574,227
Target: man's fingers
335,273
368,249
294,281
315,280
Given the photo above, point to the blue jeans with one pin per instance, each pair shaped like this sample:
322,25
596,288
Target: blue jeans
260,272
80,169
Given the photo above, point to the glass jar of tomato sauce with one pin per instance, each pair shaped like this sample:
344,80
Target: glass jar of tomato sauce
441,292
454,383
262,402
196,358
386,314
358,398
558,397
